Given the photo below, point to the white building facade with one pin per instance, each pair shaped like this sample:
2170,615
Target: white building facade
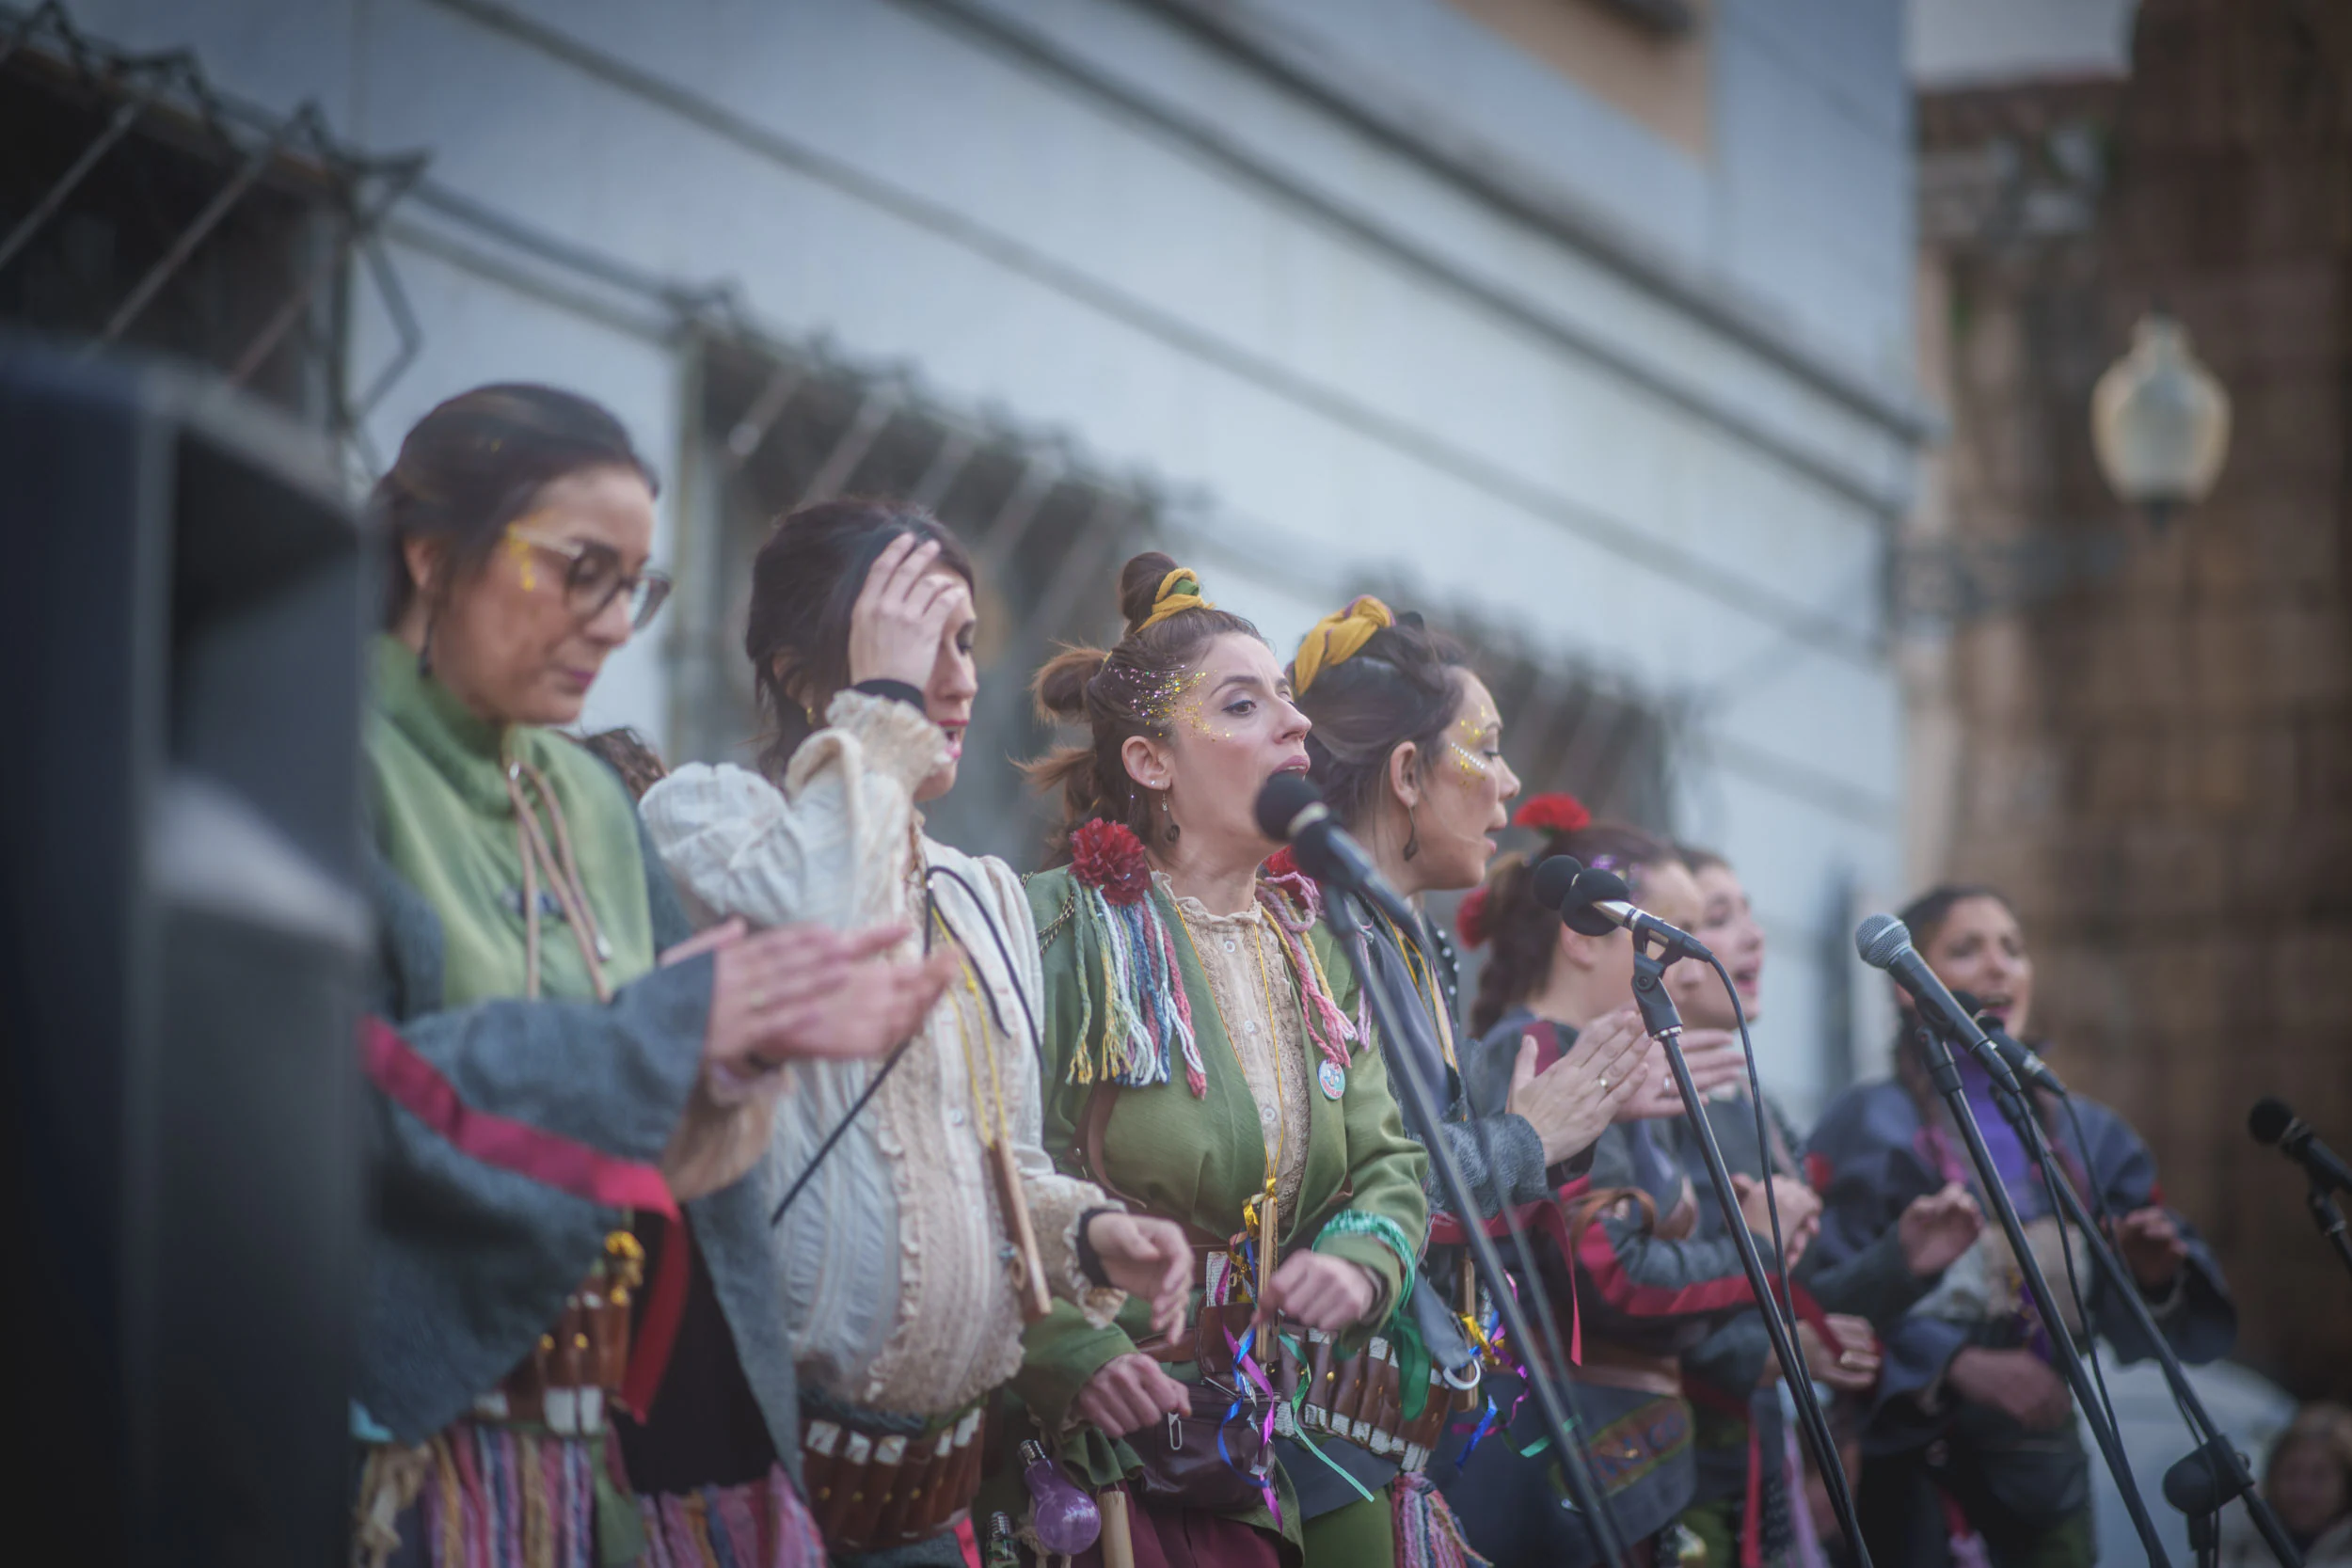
1582,326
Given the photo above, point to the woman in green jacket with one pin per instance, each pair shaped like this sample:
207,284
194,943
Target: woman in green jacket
1205,1060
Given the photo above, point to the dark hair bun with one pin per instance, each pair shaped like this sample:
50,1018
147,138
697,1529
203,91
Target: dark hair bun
1061,684
1140,585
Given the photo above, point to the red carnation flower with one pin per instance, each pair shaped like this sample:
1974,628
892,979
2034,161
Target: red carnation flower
1470,918
1108,857
1553,814
1283,863
1817,1172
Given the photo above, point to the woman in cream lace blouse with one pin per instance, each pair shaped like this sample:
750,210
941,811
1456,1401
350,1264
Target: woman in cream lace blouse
905,1297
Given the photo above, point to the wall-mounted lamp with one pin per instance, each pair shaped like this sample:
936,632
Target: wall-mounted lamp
2160,430
2159,422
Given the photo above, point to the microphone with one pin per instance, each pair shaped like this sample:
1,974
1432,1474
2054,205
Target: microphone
2271,1122
2020,1057
1291,812
1884,943
1593,901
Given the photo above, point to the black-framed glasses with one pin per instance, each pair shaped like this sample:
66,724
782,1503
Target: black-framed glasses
592,578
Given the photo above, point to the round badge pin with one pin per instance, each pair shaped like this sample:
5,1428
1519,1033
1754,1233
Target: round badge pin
1331,1079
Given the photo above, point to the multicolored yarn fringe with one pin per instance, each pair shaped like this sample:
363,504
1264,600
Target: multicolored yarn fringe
1147,1016
498,1497
502,1498
1427,1533
760,1524
1293,906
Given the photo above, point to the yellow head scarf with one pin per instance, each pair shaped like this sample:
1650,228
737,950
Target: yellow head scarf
1338,637
1177,592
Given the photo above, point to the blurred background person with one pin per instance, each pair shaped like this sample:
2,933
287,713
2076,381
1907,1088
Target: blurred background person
1973,1429
2307,1480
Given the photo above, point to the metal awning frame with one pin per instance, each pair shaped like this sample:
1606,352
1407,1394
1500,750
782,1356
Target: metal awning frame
167,95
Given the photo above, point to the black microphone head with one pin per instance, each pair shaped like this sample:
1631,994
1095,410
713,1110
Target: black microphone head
1553,877
1281,800
2269,1119
1594,886
1880,939
1969,1001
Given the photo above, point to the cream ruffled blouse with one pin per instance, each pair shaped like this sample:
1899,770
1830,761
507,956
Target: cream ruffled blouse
895,1288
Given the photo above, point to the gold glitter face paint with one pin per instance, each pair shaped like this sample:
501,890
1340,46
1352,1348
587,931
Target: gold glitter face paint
1475,741
1160,700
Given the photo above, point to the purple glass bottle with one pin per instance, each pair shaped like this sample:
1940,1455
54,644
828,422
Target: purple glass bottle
1064,1518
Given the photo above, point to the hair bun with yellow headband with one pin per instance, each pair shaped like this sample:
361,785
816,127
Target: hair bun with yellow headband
1338,637
1179,591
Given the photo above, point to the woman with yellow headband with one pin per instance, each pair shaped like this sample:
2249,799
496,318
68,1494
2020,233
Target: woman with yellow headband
1408,749
1206,1061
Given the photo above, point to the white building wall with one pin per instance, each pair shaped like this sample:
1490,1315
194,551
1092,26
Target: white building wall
1199,271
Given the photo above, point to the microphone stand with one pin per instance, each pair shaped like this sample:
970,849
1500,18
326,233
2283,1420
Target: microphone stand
1575,1462
1664,1023
1946,1077
2330,1219
2201,1484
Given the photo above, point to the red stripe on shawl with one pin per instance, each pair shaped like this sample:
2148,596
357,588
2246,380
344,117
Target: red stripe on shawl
551,1159
1599,1255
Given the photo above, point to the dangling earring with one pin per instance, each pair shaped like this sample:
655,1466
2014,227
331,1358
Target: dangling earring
1168,810
1412,834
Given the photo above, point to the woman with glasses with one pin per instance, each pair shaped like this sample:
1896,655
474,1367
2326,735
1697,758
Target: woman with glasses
897,1298
555,1067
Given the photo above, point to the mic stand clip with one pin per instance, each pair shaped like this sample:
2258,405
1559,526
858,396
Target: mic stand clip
2330,1219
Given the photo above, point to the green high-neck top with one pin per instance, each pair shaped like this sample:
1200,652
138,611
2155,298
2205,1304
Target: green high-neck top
443,819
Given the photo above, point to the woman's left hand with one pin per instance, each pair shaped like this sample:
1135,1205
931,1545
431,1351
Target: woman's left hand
1328,1293
2152,1247
895,624
1147,1258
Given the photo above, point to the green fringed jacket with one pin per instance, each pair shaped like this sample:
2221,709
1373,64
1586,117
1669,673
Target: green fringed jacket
1197,1161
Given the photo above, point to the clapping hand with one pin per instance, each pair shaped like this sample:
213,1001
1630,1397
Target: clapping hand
1570,1102
794,991
1799,1211
2153,1246
1935,1230
1852,1365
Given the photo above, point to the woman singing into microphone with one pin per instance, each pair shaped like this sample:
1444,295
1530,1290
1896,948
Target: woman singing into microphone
1752,1502
1205,1061
1972,1430
1624,1273
1408,749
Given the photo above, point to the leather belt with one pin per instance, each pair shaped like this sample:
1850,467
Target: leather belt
872,1490
572,1378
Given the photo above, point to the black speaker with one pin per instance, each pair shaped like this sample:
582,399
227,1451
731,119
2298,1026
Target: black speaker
182,945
